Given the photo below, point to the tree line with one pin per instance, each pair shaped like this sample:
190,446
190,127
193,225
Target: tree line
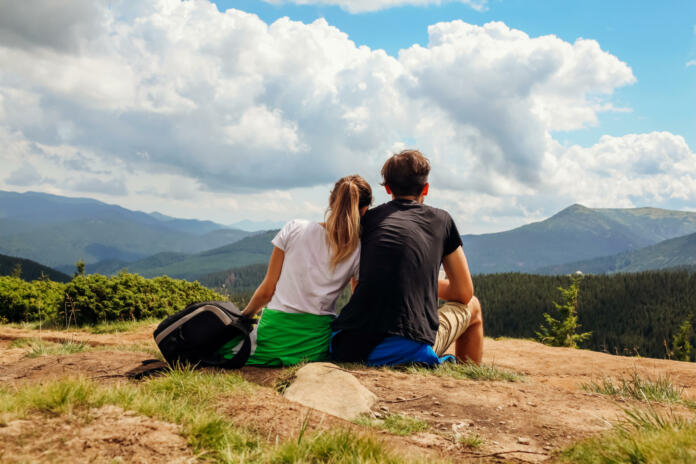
630,314
647,313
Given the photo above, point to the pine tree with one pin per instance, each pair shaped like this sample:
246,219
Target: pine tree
562,331
17,271
79,268
681,347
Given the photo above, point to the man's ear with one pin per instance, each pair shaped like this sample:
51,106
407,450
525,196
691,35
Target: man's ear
386,187
425,189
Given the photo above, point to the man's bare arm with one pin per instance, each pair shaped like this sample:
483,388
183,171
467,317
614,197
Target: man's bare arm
459,286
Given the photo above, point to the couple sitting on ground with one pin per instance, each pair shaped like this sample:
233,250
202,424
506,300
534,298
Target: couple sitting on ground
391,255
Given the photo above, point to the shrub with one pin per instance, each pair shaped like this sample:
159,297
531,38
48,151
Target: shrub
127,296
22,301
89,299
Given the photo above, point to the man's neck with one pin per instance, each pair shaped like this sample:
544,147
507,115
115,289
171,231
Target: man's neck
416,198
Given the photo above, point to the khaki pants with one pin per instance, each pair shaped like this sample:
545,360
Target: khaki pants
454,320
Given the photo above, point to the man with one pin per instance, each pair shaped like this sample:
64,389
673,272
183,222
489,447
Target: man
392,316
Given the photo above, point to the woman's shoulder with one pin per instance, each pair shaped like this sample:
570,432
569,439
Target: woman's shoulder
295,224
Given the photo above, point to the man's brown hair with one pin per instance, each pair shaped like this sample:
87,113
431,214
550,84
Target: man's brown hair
406,173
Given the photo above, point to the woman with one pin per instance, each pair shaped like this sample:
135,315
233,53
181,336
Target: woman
310,265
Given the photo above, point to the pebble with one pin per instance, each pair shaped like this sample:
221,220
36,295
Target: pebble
502,422
384,408
400,398
377,415
436,403
523,440
531,404
499,408
547,448
437,414
514,405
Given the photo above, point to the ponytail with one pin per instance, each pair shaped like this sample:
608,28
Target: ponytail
343,216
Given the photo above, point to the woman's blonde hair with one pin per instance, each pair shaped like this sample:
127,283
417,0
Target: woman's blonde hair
349,194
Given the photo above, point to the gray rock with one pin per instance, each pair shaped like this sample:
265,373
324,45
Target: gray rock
325,387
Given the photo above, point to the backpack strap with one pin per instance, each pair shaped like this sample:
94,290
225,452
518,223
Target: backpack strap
243,325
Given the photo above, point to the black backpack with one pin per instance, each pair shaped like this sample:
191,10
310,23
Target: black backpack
196,333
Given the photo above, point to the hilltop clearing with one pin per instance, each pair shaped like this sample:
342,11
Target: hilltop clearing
536,408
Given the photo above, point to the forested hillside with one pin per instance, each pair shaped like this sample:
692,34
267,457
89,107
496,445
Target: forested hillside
627,313
28,269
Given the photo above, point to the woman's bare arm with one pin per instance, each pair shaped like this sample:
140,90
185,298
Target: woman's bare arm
265,291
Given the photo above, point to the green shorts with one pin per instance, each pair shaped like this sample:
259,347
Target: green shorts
285,339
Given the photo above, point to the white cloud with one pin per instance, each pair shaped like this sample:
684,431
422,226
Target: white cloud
362,6
691,63
177,107
653,169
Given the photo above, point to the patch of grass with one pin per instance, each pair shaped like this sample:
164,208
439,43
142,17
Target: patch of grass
467,370
335,447
639,388
144,347
287,377
22,342
120,326
396,424
39,347
472,441
183,396
188,397
644,436
107,327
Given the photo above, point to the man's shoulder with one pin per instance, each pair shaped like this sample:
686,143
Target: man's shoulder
386,209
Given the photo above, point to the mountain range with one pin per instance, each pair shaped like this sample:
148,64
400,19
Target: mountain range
57,231
575,234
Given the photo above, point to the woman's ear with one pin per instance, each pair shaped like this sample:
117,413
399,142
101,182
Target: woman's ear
386,187
425,189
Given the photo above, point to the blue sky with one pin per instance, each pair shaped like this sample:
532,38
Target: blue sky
656,39
251,110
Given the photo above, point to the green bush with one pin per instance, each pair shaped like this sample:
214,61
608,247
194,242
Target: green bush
89,299
22,301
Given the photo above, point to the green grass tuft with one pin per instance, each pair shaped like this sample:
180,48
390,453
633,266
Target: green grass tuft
287,377
644,436
471,441
467,371
639,388
335,447
396,424
39,347
110,327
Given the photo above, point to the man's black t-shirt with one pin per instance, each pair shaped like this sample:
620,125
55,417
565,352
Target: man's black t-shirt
402,245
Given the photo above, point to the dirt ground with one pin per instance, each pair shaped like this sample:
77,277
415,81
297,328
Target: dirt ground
524,421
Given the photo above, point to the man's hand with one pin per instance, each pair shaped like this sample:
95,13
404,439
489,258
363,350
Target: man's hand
459,286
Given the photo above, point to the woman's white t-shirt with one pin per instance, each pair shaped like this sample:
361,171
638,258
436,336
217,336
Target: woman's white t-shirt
307,284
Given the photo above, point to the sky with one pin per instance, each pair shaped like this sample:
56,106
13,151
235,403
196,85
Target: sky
251,109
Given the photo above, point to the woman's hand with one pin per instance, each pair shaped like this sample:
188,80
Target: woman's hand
265,291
